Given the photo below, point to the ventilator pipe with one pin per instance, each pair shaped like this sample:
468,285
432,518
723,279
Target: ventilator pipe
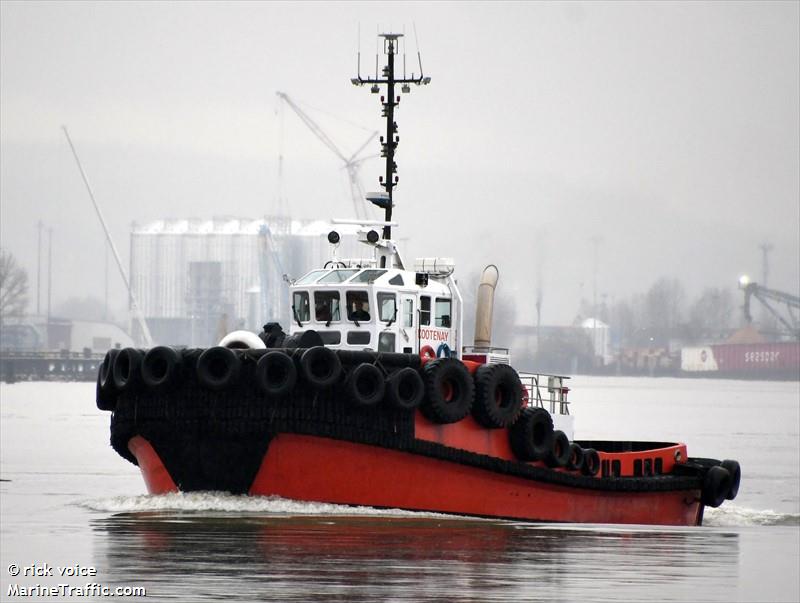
484,306
242,340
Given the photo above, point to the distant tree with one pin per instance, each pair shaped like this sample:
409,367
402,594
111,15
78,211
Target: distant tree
13,286
712,311
622,321
664,304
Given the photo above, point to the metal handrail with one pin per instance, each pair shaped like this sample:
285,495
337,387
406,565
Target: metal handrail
556,398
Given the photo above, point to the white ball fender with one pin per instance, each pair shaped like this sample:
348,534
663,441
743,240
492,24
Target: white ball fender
242,340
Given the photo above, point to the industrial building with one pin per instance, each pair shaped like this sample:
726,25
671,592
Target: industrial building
195,280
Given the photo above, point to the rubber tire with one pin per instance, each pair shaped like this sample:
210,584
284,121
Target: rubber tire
559,452
365,385
493,381
716,485
106,394
405,389
218,368
735,470
531,435
575,461
161,367
320,367
126,370
591,462
276,374
449,390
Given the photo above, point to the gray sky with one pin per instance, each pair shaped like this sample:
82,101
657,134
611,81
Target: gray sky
669,130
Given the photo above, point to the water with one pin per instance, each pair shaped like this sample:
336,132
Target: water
67,499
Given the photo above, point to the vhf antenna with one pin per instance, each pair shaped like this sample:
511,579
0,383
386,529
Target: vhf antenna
391,46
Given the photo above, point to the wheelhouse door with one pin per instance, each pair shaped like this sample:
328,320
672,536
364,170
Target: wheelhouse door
408,324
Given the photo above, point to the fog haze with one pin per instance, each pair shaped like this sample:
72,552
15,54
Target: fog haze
667,132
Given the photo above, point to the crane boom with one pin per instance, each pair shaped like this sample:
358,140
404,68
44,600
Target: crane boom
134,304
351,163
765,295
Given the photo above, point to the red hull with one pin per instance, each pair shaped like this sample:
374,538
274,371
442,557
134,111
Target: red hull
319,469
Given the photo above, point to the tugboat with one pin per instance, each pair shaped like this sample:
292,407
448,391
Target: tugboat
373,399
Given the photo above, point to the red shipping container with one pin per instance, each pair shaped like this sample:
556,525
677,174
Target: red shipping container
757,359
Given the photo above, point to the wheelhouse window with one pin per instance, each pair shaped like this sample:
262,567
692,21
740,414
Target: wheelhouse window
443,308
300,306
386,342
368,276
358,306
408,312
424,310
310,277
330,337
387,307
326,306
358,337
337,276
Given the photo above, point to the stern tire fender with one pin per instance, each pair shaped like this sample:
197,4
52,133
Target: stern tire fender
716,484
735,470
591,462
559,453
531,435
575,461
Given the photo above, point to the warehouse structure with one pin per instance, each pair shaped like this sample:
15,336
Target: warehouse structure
196,280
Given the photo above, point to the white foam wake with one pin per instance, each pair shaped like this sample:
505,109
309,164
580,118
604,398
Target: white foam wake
229,503
729,515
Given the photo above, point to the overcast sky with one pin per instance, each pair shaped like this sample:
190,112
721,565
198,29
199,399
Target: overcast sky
669,131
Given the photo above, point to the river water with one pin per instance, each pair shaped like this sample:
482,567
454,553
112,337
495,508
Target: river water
68,502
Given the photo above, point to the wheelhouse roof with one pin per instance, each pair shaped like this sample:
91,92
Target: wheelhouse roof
383,277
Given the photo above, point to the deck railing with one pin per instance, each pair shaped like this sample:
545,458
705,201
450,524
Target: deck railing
545,391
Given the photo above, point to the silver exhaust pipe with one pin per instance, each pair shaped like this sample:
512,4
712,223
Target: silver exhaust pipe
485,305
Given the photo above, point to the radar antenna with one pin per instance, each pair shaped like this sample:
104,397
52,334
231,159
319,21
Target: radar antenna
391,47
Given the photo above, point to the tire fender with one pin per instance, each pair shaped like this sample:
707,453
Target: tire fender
276,374
405,389
218,368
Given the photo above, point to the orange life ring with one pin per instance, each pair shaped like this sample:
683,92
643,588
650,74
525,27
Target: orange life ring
427,353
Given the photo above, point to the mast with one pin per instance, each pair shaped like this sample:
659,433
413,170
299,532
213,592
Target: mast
391,46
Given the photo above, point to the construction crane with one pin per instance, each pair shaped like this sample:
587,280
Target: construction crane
352,163
789,321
